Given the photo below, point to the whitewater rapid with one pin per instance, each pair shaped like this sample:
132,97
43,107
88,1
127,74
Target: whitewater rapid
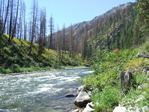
39,92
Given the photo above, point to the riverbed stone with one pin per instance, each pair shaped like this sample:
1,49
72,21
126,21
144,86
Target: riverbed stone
89,108
79,89
76,110
119,109
70,95
82,99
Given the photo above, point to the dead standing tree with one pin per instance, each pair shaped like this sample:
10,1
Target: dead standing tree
51,26
33,24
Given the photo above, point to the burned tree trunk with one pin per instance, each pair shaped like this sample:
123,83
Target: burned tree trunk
126,81
139,55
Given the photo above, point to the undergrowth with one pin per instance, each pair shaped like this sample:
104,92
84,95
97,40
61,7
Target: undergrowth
15,57
106,81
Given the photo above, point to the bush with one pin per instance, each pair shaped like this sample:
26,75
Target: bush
15,68
106,99
140,78
5,71
145,47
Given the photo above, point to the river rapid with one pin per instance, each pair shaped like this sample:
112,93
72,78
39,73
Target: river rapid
40,92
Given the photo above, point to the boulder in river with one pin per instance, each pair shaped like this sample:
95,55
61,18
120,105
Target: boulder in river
82,99
70,95
79,89
89,108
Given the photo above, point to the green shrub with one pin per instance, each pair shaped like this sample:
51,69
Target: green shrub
140,78
135,98
106,99
145,47
5,71
15,68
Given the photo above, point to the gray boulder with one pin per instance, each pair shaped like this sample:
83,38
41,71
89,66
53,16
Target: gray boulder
82,99
89,108
79,89
119,109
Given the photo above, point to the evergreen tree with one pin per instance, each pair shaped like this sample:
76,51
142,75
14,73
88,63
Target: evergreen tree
143,8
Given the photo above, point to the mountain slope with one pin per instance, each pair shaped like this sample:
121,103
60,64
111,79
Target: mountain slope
114,29
15,57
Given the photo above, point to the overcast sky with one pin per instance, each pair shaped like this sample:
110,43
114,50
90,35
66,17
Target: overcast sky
73,11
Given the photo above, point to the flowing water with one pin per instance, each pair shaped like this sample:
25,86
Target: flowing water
40,92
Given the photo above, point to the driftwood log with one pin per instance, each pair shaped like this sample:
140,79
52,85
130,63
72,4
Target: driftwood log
140,55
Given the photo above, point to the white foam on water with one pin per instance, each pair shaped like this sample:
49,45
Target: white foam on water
44,89
27,87
88,72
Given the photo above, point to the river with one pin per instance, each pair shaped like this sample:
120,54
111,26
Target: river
41,91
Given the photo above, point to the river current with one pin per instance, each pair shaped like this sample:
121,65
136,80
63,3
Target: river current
40,92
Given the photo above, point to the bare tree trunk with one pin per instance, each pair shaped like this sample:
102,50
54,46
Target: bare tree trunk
16,18
59,45
51,33
6,16
64,39
33,27
42,34
11,20
71,41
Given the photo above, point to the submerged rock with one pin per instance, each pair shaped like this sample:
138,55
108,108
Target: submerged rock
70,95
77,110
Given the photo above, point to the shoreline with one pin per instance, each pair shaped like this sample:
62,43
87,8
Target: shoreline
36,71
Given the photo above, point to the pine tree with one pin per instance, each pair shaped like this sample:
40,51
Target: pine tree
143,8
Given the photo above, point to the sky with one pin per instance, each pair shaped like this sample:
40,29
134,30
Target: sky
74,11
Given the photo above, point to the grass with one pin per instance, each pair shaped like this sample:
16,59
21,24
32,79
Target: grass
106,99
106,82
15,57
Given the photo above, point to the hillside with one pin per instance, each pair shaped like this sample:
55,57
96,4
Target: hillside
117,28
122,9
15,57
106,83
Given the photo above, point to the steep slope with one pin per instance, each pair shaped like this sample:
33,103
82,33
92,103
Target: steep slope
15,57
114,29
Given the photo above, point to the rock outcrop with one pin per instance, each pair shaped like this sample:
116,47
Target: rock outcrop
82,99
89,107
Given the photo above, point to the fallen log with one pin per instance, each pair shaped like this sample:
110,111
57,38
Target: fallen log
139,55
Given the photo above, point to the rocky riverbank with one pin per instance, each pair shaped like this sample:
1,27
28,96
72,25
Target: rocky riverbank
127,81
